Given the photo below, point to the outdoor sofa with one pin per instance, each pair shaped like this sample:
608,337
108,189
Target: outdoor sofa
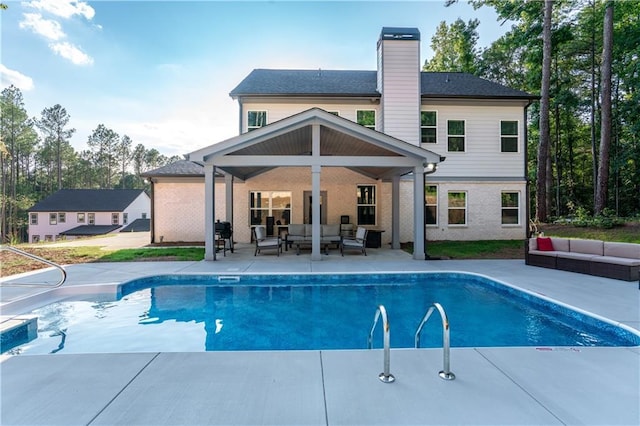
302,234
594,257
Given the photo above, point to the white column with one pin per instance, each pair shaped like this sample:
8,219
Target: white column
228,192
209,212
395,212
418,212
316,253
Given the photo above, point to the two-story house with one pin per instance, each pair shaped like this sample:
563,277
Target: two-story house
71,213
415,155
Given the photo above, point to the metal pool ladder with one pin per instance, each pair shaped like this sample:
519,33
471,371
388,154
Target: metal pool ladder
446,373
385,376
39,259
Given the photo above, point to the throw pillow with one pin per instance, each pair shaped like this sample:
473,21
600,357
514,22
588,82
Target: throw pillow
545,244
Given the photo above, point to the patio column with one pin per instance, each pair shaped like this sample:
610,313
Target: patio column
228,192
315,193
418,212
209,212
395,212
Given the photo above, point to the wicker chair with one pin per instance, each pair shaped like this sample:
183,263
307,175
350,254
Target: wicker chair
263,242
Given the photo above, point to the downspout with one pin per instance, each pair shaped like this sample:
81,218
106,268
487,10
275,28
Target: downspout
526,172
152,228
424,197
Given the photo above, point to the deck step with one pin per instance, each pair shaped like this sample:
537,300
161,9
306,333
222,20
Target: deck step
17,330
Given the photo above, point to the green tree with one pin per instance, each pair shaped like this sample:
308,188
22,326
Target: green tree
455,47
123,153
103,142
53,123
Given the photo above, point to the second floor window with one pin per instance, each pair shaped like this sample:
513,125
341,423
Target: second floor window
80,217
53,218
125,218
62,217
256,119
91,218
428,127
455,136
115,218
366,204
33,218
366,118
509,136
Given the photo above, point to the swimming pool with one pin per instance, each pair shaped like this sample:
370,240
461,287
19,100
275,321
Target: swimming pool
319,311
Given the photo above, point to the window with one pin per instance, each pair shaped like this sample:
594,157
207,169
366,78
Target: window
91,218
125,218
431,204
256,119
509,136
80,217
144,215
115,218
455,135
33,219
53,218
510,208
457,208
366,204
35,238
428,127
270,203
366,118
62,217
48,238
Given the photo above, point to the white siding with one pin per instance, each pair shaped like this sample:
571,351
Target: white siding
401,84
482,156
142,204
280,110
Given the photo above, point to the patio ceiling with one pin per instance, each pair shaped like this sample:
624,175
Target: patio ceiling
288,142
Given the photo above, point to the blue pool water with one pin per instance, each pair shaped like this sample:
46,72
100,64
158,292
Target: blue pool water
289,312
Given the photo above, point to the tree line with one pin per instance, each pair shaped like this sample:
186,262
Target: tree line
581,57
36,160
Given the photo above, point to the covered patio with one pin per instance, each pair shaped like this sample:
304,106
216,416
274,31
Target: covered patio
317,139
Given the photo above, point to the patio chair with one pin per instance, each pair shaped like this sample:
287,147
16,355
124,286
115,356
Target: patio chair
359,242
263,242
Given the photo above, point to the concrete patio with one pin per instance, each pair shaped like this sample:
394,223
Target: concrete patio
526,385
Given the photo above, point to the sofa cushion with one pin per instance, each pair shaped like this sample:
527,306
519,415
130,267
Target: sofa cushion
560,244
544,253
576,255
626,250
330,230
587,247
296,230
308,230
544,244
616,260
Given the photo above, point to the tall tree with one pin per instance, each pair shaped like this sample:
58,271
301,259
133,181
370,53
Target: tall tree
53,123
605,115
124,156
455,47
103,143
543,175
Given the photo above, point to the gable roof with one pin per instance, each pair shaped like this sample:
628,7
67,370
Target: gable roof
270,82
341,143
183,168
88,200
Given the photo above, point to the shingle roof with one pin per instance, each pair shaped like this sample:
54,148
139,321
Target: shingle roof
138,225
307,82
86,230
265,82
179,168
88,200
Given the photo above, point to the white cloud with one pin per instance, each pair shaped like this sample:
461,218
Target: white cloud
48,28
71,52
16,78
64,8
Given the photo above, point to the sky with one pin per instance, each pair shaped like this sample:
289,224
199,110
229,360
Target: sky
161,71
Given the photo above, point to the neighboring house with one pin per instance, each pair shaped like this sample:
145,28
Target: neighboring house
417,155
71,213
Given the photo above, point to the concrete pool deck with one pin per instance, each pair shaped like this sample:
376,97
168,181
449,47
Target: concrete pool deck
525,385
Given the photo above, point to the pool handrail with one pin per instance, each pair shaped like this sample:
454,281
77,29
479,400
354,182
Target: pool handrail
385,376
39,259
446,373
